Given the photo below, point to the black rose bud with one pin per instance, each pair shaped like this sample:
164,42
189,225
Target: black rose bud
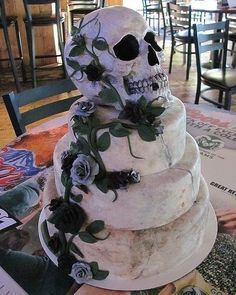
67,159
55,203
68,218
94,72
121,179
136,113
54,243
65,262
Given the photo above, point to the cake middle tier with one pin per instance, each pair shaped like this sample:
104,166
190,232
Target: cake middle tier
157,200
153,156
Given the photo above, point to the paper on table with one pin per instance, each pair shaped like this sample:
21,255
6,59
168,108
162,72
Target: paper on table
8,285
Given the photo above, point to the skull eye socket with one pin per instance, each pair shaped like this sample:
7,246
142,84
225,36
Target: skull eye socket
152,57
150,38
127,48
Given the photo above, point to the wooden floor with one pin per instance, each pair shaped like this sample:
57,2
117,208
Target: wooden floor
185,90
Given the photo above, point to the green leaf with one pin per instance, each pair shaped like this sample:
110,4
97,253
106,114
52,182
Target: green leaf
118,130
95,227
108,95
76,250
83,145
94,121
77,50
102,185
64,178
142,102
76,198
44,231
79,127
94,266
100,275
87,238
73,64
104,142
155,111
100,44
146,132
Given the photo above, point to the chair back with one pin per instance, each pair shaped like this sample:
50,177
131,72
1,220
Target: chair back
212,37
180,18
14,101
91,3
28,4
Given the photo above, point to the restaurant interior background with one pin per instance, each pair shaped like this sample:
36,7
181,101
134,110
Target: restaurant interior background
46,42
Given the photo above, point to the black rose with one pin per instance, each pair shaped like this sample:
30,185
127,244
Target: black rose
121,179
55,203
68,218
135,113
67,159
94,72
65,262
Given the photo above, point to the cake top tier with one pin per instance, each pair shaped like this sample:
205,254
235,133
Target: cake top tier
112,56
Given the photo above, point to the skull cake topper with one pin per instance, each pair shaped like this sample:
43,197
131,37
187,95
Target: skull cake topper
112,56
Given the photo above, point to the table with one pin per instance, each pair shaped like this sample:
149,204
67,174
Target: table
211,6
26,162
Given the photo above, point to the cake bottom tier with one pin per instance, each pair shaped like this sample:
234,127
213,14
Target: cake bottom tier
142,253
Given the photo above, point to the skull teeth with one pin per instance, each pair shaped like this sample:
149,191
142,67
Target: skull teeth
153,83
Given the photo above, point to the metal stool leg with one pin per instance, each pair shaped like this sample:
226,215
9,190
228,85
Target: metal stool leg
20,51
11,57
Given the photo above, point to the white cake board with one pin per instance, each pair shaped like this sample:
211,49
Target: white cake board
156,280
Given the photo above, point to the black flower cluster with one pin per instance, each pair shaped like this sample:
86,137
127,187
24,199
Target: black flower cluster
136,114
67,159
121,179
94,72
67,217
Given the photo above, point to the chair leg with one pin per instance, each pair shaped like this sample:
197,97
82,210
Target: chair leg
198,91
171,56
188,61
164,36
20,52
12,60
227,104
220,98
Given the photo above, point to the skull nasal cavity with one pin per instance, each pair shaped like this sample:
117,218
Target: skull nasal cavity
150,38
127,48
152,57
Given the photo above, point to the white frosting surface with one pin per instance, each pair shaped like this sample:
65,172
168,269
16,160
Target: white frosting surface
158,199
157,155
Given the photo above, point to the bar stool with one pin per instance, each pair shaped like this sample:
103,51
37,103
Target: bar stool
32,21
5,23
83,7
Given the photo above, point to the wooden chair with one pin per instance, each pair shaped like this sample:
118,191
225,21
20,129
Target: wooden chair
83,7
153,11
32,21
14,101
5,23
213,38
180,21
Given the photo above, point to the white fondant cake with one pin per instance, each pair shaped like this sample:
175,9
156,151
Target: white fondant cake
126,198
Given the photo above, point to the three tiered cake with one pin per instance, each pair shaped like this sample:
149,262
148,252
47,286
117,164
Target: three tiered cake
126,199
